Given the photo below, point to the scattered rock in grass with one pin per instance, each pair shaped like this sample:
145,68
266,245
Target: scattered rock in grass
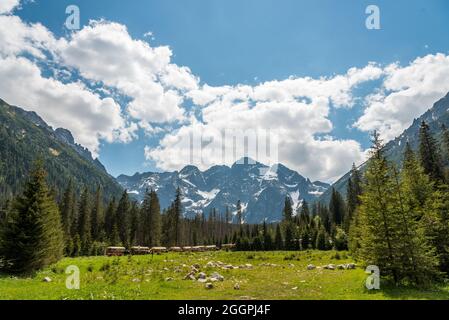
249,266
330,267
196,266
190,276
350,266
311,267
291,265
46,279
295,288
341,267
236,286
202,280
136,280
202,275
209,286
166,269
168,279
217,276
228,267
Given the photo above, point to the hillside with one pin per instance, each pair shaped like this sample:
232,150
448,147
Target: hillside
25,136
261,189
435,117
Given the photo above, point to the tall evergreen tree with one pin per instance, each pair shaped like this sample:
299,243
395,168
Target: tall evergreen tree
391,237
287,212
353,193
278,242
33,237
68,208
429,154
84,222
337,207
110,217
122,216
97,216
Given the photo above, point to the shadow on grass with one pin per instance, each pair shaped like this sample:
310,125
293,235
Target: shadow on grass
434,292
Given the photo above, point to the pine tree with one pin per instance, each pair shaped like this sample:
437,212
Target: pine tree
337,207
429,154
134,213
321,239
378,225
33,237
353,193
68,214
278,242
97,218
287,211
239,212
177,216
122,215
110,218
68,208
84,223
267,240
289,237
436,225
390,235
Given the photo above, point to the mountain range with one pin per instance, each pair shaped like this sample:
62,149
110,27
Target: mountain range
260,188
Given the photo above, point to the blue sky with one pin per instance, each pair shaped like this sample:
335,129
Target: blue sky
256,41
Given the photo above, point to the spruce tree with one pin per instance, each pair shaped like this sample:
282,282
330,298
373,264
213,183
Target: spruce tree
68,208
33,237
239,212
353,193
391,236
429,154
122,216
84,222
337,208
287,212
378,224
68,214
278,242
436,225
110,217
97,216
134,213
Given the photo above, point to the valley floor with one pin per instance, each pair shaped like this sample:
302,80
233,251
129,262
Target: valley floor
272,275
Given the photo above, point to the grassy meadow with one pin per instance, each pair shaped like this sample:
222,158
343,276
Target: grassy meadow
272,275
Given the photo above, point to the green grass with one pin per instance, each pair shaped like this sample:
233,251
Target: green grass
144,277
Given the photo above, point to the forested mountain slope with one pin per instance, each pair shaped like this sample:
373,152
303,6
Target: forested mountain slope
24,137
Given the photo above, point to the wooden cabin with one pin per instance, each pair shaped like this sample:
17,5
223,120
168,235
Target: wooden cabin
115,251
139,250
158,250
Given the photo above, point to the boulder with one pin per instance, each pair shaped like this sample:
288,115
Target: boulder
236,286
190,276
202,275
350,266
341,267
217,276
46,279
310,267
209,286
168,279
